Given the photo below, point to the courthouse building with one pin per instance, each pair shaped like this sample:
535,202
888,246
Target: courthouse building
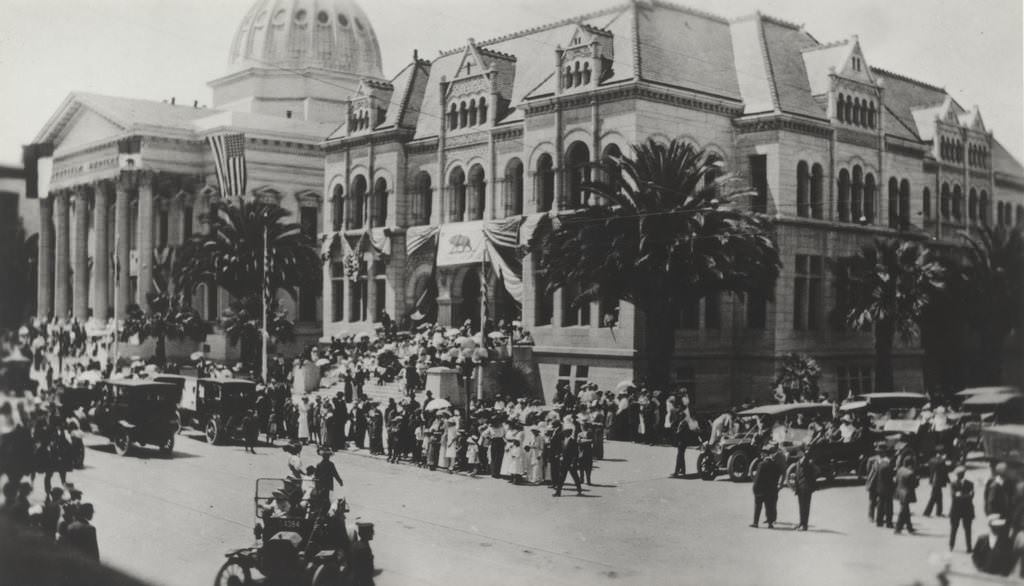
429,183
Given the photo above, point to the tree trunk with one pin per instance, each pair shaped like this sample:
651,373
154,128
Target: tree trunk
161,351
660,344
885,331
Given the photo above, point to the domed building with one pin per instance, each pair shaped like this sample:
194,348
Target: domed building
132,178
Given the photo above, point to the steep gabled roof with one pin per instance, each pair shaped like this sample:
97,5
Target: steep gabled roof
911,103
1004,162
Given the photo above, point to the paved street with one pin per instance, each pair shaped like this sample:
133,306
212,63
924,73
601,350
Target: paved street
169,521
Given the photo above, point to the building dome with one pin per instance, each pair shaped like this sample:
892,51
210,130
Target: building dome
334,35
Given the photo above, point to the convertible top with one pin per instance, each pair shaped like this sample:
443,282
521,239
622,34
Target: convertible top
991,400
787,408
975,391
142,383
892,395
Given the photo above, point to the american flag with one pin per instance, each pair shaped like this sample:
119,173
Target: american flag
229,158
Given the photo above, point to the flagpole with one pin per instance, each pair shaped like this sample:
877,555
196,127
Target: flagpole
483,320
117,287
265,294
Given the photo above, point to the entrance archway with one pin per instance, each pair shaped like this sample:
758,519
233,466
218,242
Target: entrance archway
469,306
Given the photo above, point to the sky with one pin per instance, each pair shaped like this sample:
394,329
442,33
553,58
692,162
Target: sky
157,49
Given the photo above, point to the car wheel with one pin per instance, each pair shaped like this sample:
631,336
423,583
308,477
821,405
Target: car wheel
122,442
326,574
791,475
706,467
167,448
233,573
752,469
212,431
737,466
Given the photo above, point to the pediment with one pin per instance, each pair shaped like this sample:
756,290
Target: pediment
855,66
86,127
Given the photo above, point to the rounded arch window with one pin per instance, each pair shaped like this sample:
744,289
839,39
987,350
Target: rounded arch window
342,19
300,15
280,16
322,17
359,23
261,19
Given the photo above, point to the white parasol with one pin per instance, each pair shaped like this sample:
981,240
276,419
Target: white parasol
436,404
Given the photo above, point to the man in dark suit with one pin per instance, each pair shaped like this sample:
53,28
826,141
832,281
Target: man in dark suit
961,507
766,487
885,488
906,493
871,466
938,475
805,482
997,492
565,447
81,535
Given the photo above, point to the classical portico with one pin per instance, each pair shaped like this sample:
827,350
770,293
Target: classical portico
105,259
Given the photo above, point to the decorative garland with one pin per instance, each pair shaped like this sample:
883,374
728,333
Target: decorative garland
350,263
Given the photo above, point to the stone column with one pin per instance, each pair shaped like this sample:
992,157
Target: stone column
145,238
101,255
122,247
61,256
371,290
44,294
81,254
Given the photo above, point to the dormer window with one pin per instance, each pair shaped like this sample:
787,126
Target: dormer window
587,59
467,113
856,63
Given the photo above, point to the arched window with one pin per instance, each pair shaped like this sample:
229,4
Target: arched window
857,194
477,195
423,201
904,204
611,175
803,188
944,201
586,73
456,195
958,203
379,213
355,219
483,111
984,214
869,198
926,203
545,183
577,75
999,213
856,112
337,208
839,109
453,117
577,161
959,152
1020,216
849,110
463,115
568,76
894,202
972,206
817,189
513,188
472,112
843,202
871,115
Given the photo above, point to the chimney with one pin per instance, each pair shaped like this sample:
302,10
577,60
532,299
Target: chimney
172,100
195,103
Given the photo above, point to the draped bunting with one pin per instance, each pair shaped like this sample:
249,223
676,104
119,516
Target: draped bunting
419,236
328,242
496,242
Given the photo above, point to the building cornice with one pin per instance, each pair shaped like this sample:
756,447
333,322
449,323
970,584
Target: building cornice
783,122
372,138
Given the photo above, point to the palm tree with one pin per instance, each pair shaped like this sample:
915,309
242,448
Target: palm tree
889,285
666,238
994,277
243,325
169,316
230,255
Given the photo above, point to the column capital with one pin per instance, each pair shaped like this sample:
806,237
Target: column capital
135,178
103,186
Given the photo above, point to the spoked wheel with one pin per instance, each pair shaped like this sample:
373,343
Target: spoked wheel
122,443
233,573
212,431
737,466
167,448
706,467
328,574
752,469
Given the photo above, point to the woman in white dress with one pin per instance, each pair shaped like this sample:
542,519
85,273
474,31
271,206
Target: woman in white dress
535,458
303,408
451,445
442,455
515,455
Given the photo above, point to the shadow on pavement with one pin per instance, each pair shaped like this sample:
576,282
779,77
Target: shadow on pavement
143,453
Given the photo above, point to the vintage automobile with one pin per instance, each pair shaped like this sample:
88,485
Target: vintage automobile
220,406
307,545
737,453
137,412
